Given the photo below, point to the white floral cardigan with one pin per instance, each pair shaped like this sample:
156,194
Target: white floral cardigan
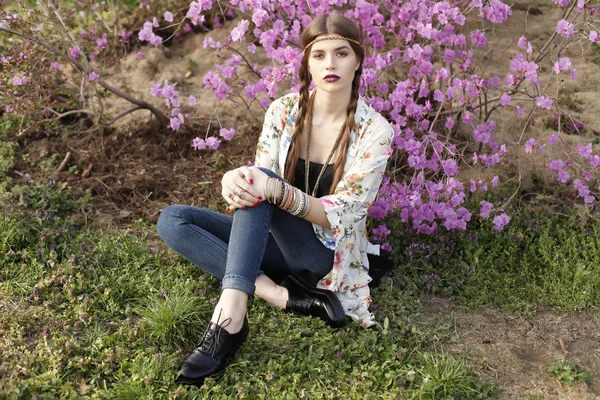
346,209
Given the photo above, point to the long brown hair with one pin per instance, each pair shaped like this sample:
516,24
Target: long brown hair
330,24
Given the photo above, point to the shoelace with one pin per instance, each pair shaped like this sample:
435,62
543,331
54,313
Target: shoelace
210,340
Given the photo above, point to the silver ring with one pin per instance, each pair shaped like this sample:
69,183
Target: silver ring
231,195
238,191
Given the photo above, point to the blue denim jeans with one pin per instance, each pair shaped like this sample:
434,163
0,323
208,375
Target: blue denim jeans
238,248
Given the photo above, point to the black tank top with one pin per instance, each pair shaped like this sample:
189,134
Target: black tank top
315,169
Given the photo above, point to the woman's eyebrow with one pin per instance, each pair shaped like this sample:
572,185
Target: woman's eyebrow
339,48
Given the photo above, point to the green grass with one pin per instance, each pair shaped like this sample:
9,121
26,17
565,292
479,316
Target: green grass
540,259
569,374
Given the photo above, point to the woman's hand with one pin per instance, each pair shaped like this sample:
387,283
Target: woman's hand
243,187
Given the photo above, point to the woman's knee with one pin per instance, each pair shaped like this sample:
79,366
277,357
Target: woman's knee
169,219
268,172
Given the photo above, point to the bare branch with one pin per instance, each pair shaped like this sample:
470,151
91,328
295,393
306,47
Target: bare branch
159,115
124,113
59,115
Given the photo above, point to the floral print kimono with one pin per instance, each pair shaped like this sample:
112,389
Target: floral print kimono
346,209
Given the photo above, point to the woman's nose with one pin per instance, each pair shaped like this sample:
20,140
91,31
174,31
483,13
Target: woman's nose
330,65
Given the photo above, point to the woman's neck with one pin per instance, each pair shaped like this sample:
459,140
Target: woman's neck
330,107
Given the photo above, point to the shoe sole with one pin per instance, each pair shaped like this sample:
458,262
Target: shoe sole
338,311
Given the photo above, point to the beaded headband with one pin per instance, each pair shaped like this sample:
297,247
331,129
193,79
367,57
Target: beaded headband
333,38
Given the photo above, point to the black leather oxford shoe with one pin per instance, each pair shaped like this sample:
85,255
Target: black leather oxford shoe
305,299
212,354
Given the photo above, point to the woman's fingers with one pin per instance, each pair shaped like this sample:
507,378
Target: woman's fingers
240,199
246,173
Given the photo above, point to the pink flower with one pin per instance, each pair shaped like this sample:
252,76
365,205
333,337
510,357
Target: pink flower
467,118
485,209
573,73
505,99
139,55
478,38
522,43
529,145
495,181
237,34
260,17
195,11
227,134
563,176
557,165
93,76
198,144
380,233
191,100
74,52
125,35
156,40
101,43
450,167
18,81
553,139
155,22
562,65
519,111
585,151
500,221
564,28
55,65
386,247
156,90
147,35
212,142
544,102
168,16
497,12
175,123
593,37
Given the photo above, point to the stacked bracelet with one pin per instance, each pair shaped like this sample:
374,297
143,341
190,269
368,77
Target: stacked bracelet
287,197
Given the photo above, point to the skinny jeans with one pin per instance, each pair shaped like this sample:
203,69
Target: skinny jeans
237,249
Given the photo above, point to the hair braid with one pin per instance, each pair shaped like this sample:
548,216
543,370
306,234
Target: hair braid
340,162
301,118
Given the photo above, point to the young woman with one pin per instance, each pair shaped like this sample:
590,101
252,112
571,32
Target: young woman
302,208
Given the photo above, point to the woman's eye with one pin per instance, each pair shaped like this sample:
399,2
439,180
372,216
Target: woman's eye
317,56
342,53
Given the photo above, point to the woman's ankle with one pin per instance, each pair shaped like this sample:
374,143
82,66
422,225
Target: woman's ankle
231,310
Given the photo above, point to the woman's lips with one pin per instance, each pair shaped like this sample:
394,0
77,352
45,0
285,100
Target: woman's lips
331,78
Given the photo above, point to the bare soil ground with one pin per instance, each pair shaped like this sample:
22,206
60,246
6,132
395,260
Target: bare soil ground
515,352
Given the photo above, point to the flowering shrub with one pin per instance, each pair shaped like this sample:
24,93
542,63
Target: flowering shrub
420,71
53,66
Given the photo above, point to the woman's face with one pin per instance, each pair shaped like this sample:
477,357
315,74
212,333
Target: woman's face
332,64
